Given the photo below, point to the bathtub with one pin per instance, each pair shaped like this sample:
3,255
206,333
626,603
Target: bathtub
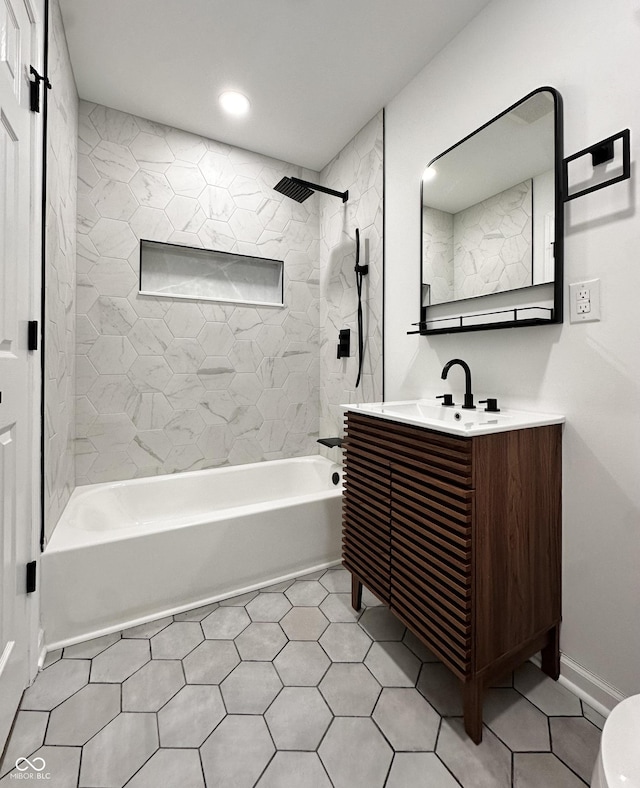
127,552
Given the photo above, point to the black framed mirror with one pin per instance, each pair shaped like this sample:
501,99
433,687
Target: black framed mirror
491,229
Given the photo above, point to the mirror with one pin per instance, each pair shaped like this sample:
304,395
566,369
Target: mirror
491,223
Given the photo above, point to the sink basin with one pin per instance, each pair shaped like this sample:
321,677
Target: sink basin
454,420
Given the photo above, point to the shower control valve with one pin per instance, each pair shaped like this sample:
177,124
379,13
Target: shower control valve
344,343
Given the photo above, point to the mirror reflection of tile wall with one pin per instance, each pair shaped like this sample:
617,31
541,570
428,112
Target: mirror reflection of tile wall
485,248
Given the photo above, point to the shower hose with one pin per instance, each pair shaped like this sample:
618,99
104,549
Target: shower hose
361,271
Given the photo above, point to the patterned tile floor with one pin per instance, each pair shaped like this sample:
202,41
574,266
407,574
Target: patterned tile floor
288,688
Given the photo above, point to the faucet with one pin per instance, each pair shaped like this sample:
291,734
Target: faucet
468,396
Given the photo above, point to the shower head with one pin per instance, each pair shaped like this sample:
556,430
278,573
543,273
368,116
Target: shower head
300,190
290,188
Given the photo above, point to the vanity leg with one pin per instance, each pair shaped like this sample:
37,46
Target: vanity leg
472,702
356,593
551,653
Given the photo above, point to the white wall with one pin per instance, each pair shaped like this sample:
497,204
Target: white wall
588,50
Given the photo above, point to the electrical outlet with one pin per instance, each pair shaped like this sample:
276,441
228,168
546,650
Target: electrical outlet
584,301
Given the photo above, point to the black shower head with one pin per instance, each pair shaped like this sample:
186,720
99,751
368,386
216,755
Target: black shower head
290,188
300,190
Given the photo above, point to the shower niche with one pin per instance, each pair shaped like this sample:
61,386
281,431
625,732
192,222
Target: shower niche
174,271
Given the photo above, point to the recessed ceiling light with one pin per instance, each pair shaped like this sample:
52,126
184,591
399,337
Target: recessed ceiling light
234,103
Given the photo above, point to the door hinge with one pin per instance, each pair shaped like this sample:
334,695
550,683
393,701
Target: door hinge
31,577
34,87
32,342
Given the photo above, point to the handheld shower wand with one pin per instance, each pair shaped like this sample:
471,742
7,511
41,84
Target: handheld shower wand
361,271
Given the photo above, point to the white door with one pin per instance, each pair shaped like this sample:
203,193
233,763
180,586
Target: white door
17,369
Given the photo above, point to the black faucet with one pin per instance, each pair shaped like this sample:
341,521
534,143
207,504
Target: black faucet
468,396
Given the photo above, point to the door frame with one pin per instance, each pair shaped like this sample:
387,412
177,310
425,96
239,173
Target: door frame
38,10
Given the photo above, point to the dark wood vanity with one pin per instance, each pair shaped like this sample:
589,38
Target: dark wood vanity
461,538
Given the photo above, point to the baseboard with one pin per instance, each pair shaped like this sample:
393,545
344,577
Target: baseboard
596,692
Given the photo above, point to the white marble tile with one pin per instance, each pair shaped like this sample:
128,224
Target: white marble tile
113,125
217,168
111,432
245,225
184,355
113,238
149,449
85,376
149,373
184,427
150,188
149,410
216,339
217,235
113,200
151,224
111,393
150,337
185,179
114,161
186,146
186,215
184,392
216,372
216,203
112,277
152,152
184,319
112,355
185,458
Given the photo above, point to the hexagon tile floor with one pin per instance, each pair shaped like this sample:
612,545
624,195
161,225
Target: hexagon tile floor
288,688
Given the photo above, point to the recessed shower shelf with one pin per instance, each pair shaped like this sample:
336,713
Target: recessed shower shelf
173,271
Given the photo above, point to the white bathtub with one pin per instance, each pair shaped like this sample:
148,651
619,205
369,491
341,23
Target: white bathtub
127,552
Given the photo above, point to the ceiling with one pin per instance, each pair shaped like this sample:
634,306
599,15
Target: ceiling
315,71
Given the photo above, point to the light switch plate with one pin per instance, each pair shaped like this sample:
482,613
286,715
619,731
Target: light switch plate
584,301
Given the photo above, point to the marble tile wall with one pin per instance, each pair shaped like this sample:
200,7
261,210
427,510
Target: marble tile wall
59,327
169,385
358,168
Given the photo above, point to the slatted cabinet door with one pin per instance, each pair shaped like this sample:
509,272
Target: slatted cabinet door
366,541
432,562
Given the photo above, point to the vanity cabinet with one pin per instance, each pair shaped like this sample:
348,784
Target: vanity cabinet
460,537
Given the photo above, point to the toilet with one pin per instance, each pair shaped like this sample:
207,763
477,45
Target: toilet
618,763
